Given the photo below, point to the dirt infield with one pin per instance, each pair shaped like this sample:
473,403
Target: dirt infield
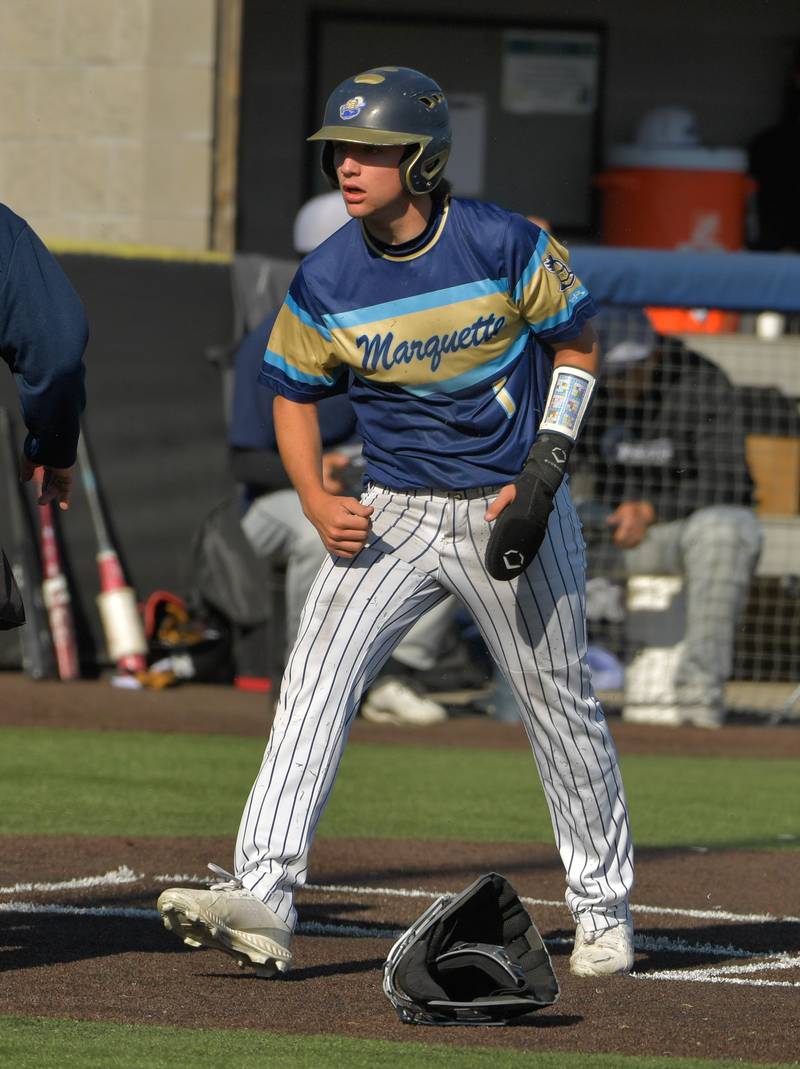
224,710
100,953
718,933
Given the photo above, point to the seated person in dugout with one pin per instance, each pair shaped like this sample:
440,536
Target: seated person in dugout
664,454
274,523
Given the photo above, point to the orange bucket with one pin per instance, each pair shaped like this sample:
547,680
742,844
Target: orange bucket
691,199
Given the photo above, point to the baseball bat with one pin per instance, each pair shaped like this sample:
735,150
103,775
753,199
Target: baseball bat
38,659
57,597
122,625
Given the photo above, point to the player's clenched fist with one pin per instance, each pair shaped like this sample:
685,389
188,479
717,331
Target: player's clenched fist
343,523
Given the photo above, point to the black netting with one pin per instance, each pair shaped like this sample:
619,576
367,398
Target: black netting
687,481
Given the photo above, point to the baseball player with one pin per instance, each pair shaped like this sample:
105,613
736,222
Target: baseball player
472,362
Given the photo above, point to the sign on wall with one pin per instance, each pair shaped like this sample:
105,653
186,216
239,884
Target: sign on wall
550,72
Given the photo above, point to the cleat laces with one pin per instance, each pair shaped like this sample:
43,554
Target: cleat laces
225,880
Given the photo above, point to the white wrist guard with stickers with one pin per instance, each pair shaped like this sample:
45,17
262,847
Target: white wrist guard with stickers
568,399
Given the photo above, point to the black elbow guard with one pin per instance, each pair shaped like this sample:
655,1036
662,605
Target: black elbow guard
519,530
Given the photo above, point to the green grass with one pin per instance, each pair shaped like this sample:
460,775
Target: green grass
50,1043
67,782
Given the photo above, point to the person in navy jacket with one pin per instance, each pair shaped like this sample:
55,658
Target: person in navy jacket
43,335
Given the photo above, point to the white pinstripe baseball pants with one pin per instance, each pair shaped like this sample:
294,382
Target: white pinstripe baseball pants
422,546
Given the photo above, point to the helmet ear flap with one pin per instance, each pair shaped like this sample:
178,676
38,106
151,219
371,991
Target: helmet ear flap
434,165
326,163
421,175
407,165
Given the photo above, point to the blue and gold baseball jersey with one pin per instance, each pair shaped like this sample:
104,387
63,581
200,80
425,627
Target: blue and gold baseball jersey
445,339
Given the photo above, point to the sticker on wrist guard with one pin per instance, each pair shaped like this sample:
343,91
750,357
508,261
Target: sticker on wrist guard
567,401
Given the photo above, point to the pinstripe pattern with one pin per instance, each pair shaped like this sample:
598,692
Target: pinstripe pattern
424,545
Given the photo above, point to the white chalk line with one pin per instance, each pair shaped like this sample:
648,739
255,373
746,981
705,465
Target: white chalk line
724,974
79,911
361,931
355,931
118,876
125,875
731,974
665,943
710,914
718,975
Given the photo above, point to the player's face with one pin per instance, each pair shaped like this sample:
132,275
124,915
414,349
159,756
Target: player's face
369,177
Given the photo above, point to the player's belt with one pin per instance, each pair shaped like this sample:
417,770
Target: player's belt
433,491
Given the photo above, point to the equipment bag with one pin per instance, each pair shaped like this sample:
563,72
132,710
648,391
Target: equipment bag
225,572
12,612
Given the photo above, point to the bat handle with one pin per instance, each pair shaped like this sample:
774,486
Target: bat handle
110,570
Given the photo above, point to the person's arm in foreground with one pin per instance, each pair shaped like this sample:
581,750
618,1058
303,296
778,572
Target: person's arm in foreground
44,337
342,522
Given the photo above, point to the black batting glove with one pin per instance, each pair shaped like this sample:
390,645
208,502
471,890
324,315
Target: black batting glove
519,530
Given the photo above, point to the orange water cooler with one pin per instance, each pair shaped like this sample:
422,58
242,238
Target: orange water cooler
689,198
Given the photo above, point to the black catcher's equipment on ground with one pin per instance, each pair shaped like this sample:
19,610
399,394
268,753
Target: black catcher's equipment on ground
475,958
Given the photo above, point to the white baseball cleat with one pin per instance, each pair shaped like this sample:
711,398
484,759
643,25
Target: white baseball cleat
391,702
229,918
605,953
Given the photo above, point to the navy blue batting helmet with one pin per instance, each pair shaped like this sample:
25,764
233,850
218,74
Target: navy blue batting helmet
390,106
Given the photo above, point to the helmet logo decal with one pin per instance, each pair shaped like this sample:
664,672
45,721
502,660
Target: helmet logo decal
352,107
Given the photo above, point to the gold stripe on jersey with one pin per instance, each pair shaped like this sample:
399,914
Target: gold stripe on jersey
433,345
300,349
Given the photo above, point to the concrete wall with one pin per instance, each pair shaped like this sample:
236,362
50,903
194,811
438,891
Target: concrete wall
106,106
106,118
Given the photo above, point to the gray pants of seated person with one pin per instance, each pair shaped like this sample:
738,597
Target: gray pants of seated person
275,526
716,550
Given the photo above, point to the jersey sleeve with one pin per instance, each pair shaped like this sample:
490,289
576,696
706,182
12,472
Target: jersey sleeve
550,297
300,361
43,335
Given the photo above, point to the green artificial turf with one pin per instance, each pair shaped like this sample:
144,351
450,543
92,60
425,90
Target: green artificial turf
50,1043
66,782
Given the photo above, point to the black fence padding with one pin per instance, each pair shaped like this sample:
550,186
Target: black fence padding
155,416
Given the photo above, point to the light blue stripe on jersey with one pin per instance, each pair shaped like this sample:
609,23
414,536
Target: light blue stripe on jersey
304,317
564,316
533,266
476,374
421,303
275,360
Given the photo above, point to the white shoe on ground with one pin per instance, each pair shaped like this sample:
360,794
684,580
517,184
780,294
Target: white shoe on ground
703,716
229,918
389,701
604,953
